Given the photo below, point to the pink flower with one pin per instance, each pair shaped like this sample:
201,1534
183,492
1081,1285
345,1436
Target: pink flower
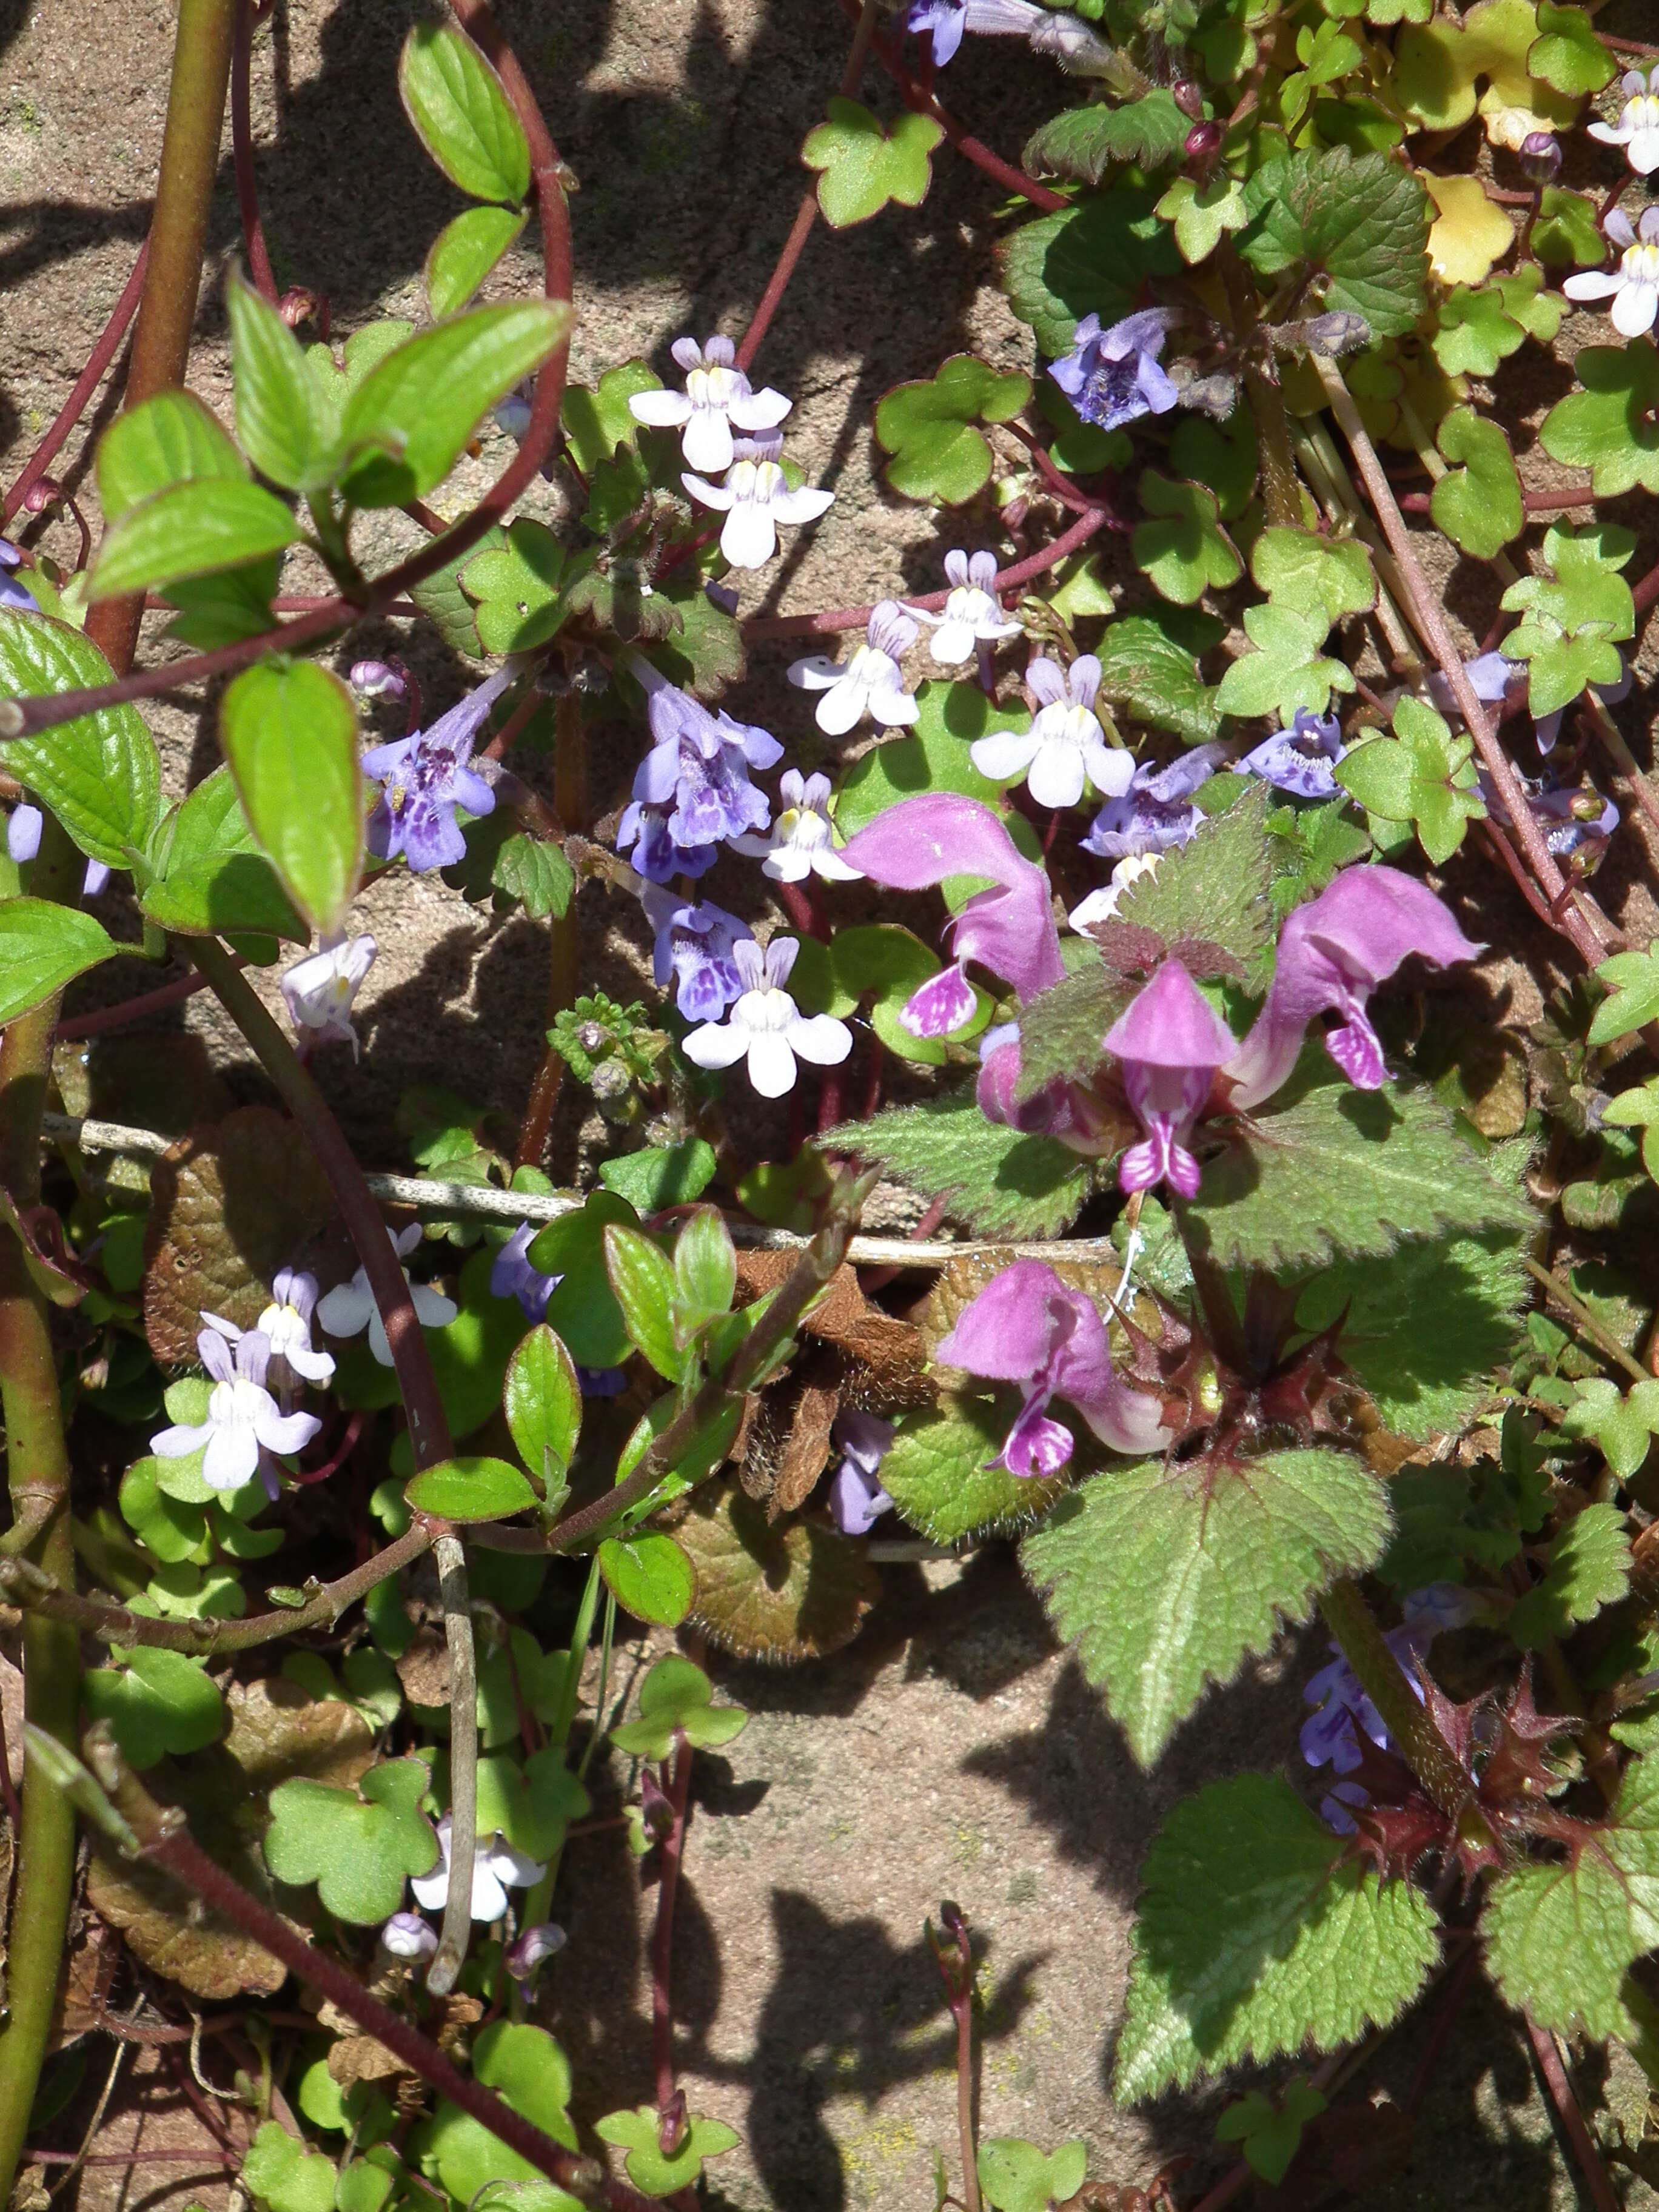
1169,1041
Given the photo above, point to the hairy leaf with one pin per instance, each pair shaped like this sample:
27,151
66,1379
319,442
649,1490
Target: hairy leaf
1360,220
1088,259
1150,670
997,1182
1083,142
937,1472
781,1591
1589,1567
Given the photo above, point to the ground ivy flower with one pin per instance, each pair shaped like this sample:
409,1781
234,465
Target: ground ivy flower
693,947
717,397
697,769
318,990
243,1418
1114,376
1638,128
642,832
870,684
1333,953
857,1500
350,1307
972,621
1170,1043
1028,1327
1633,286
755,498
425,777
512,1276
765,1028
23,827
1008,928
496,1867
1065,744
14,591
407,1935
942,23
802,838
1156,811
1576,819
1299,760
1101,905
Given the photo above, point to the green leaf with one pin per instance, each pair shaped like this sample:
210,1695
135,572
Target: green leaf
1567,231
1588,1567
675,1695
934,756
172,1530
1322,578
1083,142
532,2075
100,774
283,2174
1624,1426
1286,670
1201,215
462,116
171,439
639,2134
1422,775
1362,220
997,1182
1091,259
705,1273
1632,981
543,1401
1560,1938
284,428
661,1175
289,732
582,1310
937,1472
1477,329
43,947
1478,505
417,408
469,1490
360,1845
536,872
1186,552
641,1281
1149,672
1611,427
1574,617
1567,54
648,1575
1259,1932
928,429
1212,890
214,881
462,254
861,166
1017,2177
885,963
1438,68
1340,1170
517,587
217,523
1270,2134
1225,456
159,1702
531,1805
596,422
225,608
1166,1576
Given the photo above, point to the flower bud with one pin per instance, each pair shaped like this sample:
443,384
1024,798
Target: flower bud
407,1935
375,680
673,2123
299,306
1203,142
537,1942
1540,157
1188,99
44,492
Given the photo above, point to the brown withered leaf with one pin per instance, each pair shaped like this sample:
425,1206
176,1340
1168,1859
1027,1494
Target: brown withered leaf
358,2057
231,1202
86,1984
782,1590
807,1449
890,1349
423,1669
171,1932
279,1732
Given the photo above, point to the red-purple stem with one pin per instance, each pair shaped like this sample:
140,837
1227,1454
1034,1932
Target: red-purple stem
133,1010
1602,2195
85,384
241,132
670,1852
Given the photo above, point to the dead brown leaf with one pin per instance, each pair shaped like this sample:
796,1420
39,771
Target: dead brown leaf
423,1669
843,1317
806,1447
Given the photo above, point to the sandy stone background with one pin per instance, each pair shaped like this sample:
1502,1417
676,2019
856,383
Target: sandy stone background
954,1750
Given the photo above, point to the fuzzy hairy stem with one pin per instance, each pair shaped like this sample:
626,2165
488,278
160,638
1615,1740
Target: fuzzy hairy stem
451,1954
671,1851
1383,1680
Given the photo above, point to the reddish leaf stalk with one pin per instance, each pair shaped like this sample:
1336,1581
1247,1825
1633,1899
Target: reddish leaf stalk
241,134
670,1852
1602,2195
956,1965
133,1010
85,384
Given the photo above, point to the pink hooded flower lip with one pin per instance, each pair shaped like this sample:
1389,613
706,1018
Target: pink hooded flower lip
1169,1041
1028,1327
1333,953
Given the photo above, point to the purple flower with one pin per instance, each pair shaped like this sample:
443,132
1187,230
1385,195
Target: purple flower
1299,760
1638,128
1113,377
1157,811
512,1276
694,945
802,841
407,1935
1170,1042
14,592
1028,1327
285,1325
944,21
857,1500
765,1028
1064,741
602,1382
538,1941
1633,286
1061,1109
1009,929
698,769
1573,816
1333,953
376,680
1327,1736
24,825
425,777
971,623
655,855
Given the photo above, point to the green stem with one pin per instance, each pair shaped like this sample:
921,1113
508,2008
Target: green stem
540,1899
1280,496
1380,1675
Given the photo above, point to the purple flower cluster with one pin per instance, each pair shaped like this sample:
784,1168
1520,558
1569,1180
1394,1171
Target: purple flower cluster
1114,376
692,791
425,777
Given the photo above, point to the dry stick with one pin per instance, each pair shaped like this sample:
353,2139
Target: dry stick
241,134
1602,2194
85,384
163,1838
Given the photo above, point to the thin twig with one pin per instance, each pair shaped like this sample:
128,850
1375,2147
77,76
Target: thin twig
671,1851
1603,2195
1554,1289
86,384
241,132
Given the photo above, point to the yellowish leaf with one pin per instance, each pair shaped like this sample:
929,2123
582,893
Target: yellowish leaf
1469,234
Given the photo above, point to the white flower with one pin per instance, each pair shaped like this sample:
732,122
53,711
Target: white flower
716,396
319,989
1638,128
351,1306
1633,286
972,615
766,1026
755,498
285,1325
802,840
407,1935
496,1867
1101,905
872,682
241,1415
1063,742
